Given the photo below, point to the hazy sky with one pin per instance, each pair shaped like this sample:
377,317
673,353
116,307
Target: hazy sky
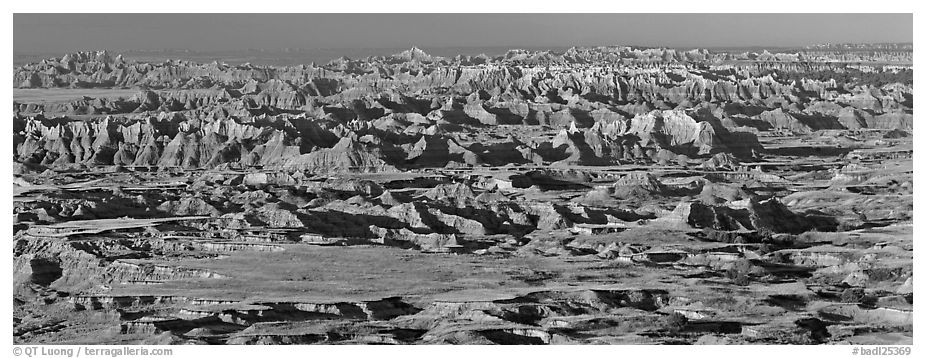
208,32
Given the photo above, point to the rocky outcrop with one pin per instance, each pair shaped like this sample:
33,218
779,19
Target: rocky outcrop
745,215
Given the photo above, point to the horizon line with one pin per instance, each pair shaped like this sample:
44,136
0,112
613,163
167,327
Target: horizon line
532,47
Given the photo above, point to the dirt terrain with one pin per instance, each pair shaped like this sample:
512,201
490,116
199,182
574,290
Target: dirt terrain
608,195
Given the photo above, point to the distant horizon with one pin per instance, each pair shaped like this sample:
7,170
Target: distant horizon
513,47
435,48
279,56
204,33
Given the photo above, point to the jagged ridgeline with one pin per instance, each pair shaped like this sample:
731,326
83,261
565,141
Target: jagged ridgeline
609,195
606,106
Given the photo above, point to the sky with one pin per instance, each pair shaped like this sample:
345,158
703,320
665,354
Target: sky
45,33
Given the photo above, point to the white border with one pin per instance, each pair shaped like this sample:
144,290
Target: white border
469,6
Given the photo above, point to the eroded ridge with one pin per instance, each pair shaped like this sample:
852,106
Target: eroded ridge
609,195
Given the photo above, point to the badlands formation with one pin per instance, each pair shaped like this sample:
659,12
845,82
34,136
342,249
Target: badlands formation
608,195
